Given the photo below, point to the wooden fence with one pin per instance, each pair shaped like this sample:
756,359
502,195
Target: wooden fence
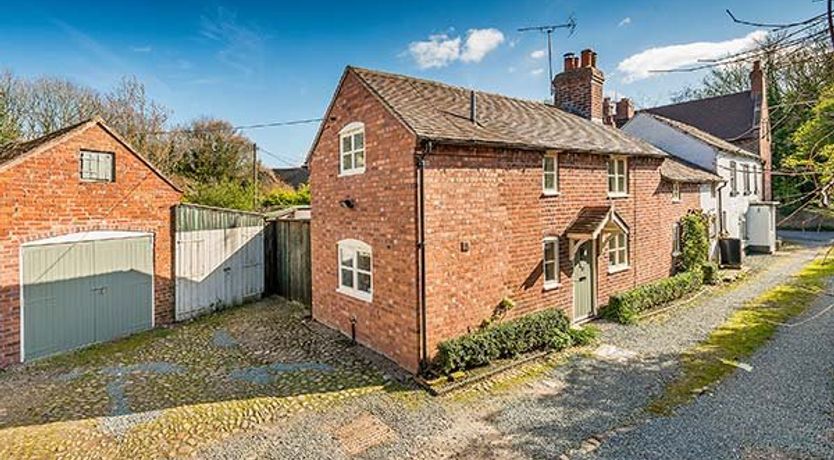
219,258
288,269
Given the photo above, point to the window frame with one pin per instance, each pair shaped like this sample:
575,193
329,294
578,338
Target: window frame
355,247
98,154
733,179
351,131
555,189
616,175
676,192
556,282
745,170
621,251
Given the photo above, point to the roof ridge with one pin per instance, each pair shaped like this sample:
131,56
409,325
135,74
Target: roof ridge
691,101
447,85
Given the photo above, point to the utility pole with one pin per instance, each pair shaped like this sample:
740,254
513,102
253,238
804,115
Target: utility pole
570,25
255,176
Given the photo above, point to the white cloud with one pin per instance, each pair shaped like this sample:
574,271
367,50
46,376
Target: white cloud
626,21
639,66
441,50
538,54
479,43
437,51
536,72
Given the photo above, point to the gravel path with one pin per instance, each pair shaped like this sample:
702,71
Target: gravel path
783,408
562,409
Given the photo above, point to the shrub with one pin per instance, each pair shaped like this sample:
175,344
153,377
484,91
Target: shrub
583,336
626,306
694,240
546,330
710,270
284,198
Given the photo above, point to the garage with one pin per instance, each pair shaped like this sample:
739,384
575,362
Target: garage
85,288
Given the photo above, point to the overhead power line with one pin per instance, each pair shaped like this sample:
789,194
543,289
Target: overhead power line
241,127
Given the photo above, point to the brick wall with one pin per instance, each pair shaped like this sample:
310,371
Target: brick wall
491,199
383,217
42,197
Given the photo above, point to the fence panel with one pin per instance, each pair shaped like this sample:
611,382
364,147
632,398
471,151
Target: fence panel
219,258
293,273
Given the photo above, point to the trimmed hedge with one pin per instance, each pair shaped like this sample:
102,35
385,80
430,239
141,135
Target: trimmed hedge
626,306
546,330
710,270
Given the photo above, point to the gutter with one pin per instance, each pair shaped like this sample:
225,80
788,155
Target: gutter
421,256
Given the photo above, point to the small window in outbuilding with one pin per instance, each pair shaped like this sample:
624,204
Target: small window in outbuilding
97,166
352,149
676,191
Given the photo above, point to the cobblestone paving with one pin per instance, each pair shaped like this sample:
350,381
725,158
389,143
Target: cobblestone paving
169,391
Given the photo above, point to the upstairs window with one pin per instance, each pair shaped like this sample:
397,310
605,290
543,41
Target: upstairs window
97,166
550,174
617,176
618,252
355,269
745,168
733,179
352,148
676,191
550,263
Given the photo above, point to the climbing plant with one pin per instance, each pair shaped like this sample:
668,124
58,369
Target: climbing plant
694,240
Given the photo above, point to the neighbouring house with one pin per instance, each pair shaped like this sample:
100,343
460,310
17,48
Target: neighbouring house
293,177
85,242
742,119
431,203
736,207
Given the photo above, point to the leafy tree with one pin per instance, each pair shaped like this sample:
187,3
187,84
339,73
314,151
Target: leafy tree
814,141
225,193
286,197
215,152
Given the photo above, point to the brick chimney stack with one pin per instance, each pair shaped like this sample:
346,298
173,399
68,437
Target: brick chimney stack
761,121
578,89
625,111
608,112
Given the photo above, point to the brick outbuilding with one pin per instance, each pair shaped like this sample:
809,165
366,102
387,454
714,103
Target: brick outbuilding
85,242
432,203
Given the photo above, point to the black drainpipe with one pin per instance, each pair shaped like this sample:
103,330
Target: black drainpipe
720,215
421,250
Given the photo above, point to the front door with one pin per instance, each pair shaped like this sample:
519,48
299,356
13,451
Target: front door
583,282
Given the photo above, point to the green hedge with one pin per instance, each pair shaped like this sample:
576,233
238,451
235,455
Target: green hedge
710,270
625,306
546,330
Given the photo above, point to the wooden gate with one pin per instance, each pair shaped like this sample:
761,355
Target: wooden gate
288,269
219,258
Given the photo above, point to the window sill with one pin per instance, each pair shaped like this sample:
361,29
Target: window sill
365,297
549,286
676,254
618,269
618,195
352,172
676,200
546,194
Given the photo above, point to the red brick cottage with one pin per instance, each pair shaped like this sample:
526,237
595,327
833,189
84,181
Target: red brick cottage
85,242
431,203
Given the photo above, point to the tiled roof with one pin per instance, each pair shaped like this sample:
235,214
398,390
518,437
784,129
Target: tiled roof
588,220
678,170
728,117
703,136
440,112
14,150
293,176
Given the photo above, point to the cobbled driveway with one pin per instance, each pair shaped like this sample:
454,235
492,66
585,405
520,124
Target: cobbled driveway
265,382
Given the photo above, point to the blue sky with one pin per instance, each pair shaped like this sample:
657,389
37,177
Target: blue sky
257,62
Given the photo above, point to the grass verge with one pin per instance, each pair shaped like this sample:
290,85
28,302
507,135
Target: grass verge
742,334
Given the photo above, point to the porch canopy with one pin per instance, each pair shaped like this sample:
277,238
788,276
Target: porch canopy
592,222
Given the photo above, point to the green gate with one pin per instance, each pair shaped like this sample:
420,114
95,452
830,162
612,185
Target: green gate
84,292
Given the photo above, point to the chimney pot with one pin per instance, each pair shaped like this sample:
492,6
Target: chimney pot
569,61
588,58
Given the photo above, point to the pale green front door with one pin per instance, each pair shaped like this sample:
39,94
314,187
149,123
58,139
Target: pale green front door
83,292
583,282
